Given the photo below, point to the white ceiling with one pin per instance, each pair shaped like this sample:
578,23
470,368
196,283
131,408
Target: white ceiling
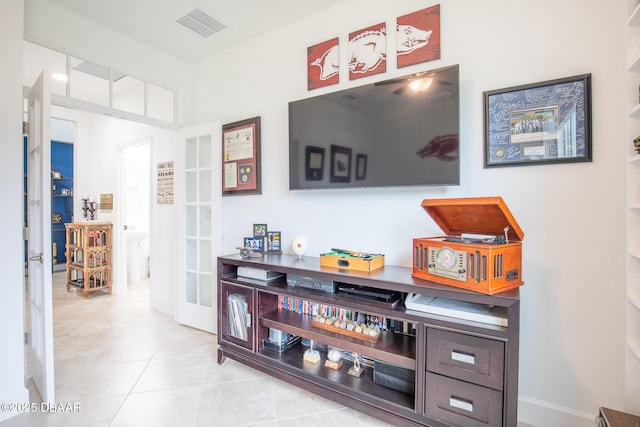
153,22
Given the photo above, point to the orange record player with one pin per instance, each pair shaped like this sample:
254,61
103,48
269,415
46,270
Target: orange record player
482,248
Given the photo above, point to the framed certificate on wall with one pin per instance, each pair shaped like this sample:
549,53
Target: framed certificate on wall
241,157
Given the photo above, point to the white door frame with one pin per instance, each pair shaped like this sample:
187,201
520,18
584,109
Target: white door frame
120,280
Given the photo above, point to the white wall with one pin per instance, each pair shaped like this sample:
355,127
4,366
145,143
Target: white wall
12,301
572,333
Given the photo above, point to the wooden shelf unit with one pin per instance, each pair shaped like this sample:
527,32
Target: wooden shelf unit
88,252
464,372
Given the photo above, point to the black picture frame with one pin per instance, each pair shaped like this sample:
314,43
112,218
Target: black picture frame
259,230
340,163
314,163
274,242
361,167
255,243
539,123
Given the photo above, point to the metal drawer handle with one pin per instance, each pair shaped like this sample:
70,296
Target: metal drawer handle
463,357
465,405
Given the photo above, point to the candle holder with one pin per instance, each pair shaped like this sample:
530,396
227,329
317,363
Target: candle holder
88,209
92,211
85,208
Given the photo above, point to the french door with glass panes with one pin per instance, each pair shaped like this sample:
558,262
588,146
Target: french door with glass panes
198,192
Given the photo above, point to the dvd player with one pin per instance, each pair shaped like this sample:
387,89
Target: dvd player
382,297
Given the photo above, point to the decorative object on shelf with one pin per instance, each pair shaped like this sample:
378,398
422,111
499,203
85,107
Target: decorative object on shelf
539,123
636,144
311,355
88,208
352,260
356,370
248,252
56,218
418,37
241,157
323,64
481,250
350,328
368,51
334,358
299,245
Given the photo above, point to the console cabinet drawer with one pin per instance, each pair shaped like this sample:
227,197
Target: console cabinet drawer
465,357
462,404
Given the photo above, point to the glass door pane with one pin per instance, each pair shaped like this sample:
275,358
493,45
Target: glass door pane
198,194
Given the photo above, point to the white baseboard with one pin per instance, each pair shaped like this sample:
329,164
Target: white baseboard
21,396
162,305
540,413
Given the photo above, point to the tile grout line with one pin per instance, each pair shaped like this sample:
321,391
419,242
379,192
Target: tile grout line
133,386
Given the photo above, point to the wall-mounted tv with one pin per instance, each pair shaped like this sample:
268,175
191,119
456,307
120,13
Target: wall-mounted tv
397,132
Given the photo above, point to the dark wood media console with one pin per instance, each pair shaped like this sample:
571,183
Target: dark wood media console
461,372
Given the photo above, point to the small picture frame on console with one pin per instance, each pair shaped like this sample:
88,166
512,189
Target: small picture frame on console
255,243
274,242
259,230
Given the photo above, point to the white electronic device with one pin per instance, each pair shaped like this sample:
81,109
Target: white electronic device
459,309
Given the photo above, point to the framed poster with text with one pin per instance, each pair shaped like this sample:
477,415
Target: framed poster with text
241,157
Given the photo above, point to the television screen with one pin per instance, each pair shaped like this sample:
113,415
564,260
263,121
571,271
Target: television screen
397,132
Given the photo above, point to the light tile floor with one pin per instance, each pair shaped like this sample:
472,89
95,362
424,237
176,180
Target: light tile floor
126,364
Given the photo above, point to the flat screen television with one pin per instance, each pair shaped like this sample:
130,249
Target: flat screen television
397,132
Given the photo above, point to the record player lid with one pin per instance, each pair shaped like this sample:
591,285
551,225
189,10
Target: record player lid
477,215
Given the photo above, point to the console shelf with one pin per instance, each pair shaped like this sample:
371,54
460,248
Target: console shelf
425,369
363,385
393,348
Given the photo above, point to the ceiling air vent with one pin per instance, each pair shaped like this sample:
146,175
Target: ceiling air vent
201,23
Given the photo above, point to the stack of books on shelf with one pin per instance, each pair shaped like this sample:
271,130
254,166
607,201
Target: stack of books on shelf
238,316
303,306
